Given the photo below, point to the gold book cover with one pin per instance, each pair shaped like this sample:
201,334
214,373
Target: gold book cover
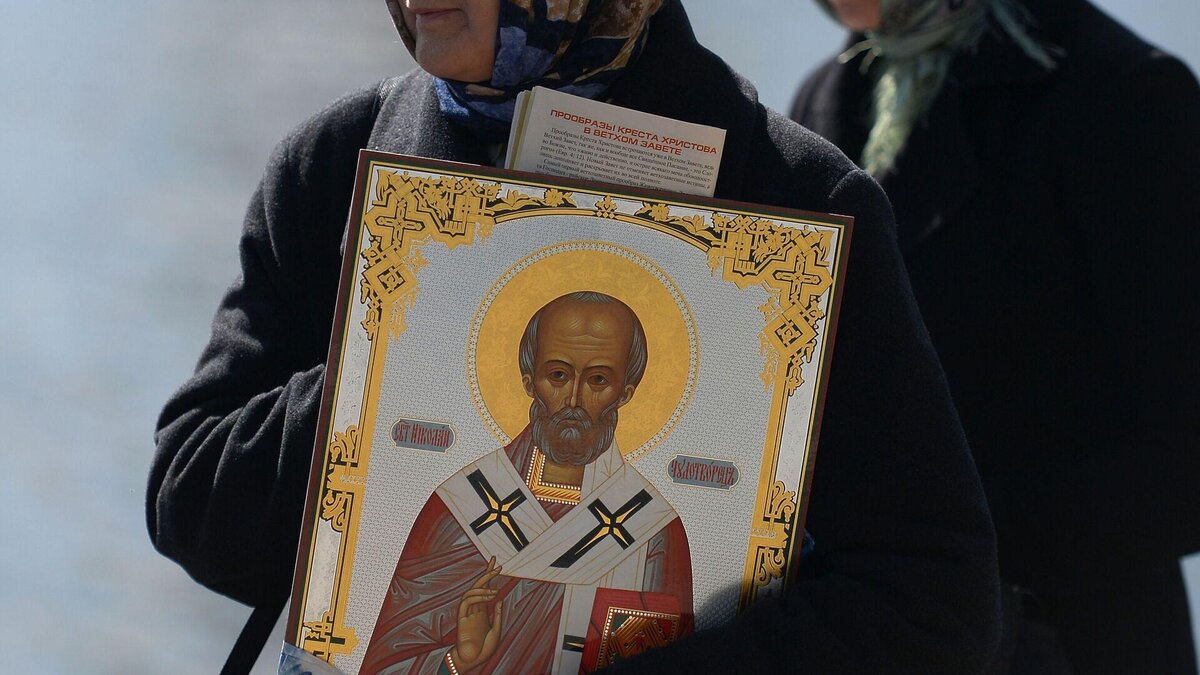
564,422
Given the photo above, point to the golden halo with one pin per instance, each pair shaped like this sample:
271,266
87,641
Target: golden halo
673,351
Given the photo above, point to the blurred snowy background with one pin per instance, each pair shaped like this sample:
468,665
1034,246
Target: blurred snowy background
131,136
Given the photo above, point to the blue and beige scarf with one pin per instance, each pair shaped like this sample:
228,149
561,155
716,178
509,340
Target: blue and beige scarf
575,46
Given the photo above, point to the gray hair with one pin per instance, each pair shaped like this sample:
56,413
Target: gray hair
635,366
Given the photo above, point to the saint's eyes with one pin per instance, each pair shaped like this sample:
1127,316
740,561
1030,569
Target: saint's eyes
562,376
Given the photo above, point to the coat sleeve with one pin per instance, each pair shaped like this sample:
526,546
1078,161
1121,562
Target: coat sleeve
1133,201
903,578
234,444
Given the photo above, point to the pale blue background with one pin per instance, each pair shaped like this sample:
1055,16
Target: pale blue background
131,136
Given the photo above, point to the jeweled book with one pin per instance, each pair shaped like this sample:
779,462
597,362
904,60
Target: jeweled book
564,422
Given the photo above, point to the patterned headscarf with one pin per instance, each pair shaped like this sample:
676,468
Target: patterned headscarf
575,46
915,43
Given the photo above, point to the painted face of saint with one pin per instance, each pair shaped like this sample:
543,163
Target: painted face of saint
455,39
578,379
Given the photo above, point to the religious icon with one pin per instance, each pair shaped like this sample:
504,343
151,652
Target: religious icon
565,425
504,531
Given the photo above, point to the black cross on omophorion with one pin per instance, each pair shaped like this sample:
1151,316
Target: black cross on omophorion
499,511
611,525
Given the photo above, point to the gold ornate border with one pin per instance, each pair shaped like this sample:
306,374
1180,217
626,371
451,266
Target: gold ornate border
796,265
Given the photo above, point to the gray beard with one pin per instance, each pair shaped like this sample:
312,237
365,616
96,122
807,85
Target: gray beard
576,444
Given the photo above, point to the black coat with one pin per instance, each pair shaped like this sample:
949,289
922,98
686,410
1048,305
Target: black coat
904,579
1050,223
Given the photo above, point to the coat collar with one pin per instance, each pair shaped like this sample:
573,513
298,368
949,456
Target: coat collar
675,77
937,171
411,123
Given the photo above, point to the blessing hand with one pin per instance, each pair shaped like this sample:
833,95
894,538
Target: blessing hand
478,629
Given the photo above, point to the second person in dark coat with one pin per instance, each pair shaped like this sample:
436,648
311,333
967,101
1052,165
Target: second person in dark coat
1049,216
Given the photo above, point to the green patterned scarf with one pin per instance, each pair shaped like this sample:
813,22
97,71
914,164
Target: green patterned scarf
915,45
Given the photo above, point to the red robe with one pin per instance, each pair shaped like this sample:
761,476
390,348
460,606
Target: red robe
418,619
